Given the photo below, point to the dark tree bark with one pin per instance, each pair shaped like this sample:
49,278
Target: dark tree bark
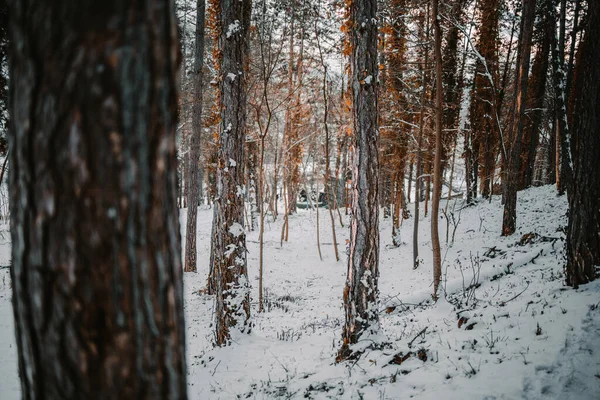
583,232
535,98
3,77
194,142
484,139
361,292
96,266
563,136
452,79
228,252
573,35
509,221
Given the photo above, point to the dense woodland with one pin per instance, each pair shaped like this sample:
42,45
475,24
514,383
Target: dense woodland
116,116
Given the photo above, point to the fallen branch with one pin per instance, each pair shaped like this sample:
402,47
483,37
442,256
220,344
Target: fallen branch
422,332
503,303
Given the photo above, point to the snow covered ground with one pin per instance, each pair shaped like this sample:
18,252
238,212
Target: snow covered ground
507,329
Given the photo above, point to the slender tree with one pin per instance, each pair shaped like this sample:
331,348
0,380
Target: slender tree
564,156
96,263
536,94
509,221
194,142
419,152
3,76
482,141
437,165
583,232
228,250
361,291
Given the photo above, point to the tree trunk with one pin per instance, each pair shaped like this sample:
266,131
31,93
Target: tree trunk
326,175
3,77
564,159
361,292
509,222
194,142
419,164
437,164
535,99
229,245
583,232
96,253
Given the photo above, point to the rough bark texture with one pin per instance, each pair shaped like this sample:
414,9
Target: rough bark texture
97,288
564,164
437,164
535,98
228,252
3,77
484,140
583,232
452,78
509,222
194,143
361,291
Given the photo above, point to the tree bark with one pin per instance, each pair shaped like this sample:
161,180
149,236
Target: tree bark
509,221
535,99
96,252
419,163
583,231
3,78
361,292
194,142
229,244
437,164
564,164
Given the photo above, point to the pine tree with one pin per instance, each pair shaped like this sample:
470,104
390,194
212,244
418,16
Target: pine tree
194,142
228,250
361,291
482,140
96,263
511,177
583,232
536,95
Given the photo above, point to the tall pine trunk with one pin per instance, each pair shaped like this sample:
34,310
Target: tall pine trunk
361,291
96,264
228,251
194,143
535,99
509,221
583,232
564,157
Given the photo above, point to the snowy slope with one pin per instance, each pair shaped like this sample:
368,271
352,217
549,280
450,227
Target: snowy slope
495,351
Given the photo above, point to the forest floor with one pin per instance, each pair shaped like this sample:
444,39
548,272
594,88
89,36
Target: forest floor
507,327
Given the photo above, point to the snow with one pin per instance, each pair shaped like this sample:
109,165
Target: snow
497,352
233,28
236,229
